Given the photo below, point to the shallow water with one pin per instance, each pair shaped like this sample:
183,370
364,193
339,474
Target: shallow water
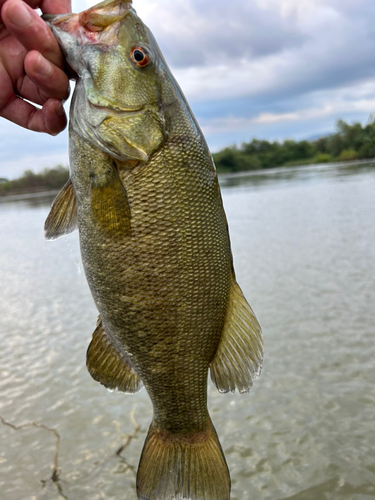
304,248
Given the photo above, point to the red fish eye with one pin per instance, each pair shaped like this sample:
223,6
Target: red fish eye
140,57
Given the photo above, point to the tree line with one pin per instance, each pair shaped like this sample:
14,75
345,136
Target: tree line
350,142
30,182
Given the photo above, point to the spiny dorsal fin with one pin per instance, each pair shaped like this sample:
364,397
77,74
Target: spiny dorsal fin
109,204
238,360
107,366
62,218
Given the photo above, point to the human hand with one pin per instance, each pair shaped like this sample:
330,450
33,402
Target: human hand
32,66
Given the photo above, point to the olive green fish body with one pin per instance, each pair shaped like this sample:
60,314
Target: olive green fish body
162,286
155,247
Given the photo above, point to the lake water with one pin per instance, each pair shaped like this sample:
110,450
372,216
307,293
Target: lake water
304,249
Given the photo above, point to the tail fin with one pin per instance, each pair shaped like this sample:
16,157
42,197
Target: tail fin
182,467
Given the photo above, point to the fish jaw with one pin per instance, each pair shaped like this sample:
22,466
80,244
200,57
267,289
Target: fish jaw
63,26
117,104
75,31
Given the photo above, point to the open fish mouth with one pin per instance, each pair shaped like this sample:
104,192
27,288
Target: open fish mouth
93,19
97,25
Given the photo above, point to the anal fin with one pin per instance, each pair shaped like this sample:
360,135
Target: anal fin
107,366
62,218
238,360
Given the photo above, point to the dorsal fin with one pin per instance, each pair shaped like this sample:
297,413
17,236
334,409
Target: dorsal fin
238,360
107,366
62,218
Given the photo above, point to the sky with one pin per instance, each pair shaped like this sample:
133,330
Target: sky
270,69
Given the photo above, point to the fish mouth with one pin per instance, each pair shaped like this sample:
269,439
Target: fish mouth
52,18
60,21
94,19
97,25
117,109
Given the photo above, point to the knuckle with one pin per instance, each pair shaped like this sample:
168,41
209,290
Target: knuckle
48,44
5,99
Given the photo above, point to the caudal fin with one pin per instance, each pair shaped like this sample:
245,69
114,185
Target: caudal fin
182,467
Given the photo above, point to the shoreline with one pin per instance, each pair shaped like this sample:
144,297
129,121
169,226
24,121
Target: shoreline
28,196
306,166
223,175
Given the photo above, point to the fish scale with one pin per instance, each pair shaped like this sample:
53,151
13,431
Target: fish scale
144,195
186,283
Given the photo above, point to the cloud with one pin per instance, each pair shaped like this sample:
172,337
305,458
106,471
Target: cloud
199,33
335,50
221,50
14,168
22,150
232,123
311,115
264,68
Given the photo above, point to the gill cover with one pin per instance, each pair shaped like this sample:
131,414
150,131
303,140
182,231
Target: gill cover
117,102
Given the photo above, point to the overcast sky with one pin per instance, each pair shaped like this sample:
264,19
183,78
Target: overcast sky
271,69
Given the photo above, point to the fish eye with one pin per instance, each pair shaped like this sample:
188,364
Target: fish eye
140,57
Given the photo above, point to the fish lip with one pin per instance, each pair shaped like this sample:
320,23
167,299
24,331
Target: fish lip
53,18
117,109
83,17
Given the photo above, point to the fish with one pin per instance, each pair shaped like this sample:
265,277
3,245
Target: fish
144,195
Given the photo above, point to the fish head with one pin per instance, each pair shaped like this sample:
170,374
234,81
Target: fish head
117,103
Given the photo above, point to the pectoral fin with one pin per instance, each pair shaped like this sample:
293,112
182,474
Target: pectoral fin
107,366
238,360
109,203
62,218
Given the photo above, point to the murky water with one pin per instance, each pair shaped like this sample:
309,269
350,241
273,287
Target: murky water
304,248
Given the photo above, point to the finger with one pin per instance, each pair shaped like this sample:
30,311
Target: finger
6,86
48,78
51,119
55,119
48,6
55,6
34,34
26,89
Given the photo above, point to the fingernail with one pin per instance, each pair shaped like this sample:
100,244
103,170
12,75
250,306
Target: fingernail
20,15
43,66
60,110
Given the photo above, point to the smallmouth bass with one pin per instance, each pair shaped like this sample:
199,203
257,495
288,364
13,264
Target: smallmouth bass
144,195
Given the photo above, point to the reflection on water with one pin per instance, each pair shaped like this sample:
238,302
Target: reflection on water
297,174
30,200
303,241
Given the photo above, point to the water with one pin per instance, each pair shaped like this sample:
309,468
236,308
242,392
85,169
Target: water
304,248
